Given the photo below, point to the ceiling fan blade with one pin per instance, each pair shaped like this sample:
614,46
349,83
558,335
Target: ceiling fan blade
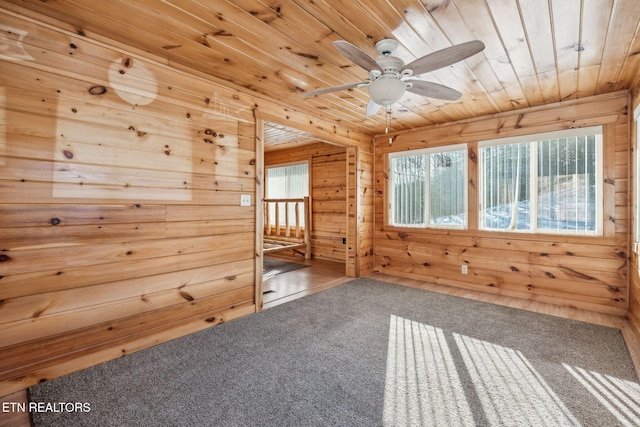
444,57
334,89
358,56
433,90
372,108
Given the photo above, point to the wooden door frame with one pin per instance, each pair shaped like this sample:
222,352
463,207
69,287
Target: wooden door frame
352,202
259,219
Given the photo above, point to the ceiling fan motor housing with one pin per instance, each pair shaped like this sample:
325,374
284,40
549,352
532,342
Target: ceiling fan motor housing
390,64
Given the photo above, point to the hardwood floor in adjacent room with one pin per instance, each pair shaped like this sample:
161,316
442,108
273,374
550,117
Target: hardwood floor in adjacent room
320,275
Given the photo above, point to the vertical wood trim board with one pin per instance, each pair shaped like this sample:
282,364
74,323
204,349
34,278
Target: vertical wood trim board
365,212
353,209
258,203
634,277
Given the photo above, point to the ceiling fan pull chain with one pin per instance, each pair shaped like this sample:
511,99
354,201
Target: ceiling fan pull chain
388,116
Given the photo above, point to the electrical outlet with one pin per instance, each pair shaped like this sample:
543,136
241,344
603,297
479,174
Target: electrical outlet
245,200
464,269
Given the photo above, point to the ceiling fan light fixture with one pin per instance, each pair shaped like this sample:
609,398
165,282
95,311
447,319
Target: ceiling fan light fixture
386,91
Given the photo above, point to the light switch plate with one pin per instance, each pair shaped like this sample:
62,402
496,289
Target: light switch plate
245,200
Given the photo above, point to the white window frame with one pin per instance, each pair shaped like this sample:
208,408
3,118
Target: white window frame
427,189
533,214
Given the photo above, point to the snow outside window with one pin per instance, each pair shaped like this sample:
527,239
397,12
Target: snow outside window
548,183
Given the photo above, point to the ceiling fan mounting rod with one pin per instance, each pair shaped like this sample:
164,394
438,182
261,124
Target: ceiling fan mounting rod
386,47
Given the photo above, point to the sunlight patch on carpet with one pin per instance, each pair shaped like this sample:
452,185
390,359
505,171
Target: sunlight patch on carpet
504,380
424,385
620,397
422,382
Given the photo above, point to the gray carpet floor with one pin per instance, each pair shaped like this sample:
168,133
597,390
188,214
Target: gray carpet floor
365,353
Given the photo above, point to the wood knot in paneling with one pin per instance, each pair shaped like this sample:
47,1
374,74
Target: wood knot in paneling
473,156
97,90
439,5
578,274
267,15
186,296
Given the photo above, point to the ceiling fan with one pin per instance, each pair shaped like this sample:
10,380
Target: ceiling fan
388,74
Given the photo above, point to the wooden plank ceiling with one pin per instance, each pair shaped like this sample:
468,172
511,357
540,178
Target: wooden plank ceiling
278,137
537,51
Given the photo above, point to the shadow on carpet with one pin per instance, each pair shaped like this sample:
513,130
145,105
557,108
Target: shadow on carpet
365,353
274,266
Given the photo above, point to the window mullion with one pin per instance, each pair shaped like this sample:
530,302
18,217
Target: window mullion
426,190
533,186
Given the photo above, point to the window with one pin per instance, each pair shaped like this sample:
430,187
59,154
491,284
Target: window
289,181
428,188
547,183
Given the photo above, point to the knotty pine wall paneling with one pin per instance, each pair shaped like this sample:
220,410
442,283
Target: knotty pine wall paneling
328,170
120,217
584,272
